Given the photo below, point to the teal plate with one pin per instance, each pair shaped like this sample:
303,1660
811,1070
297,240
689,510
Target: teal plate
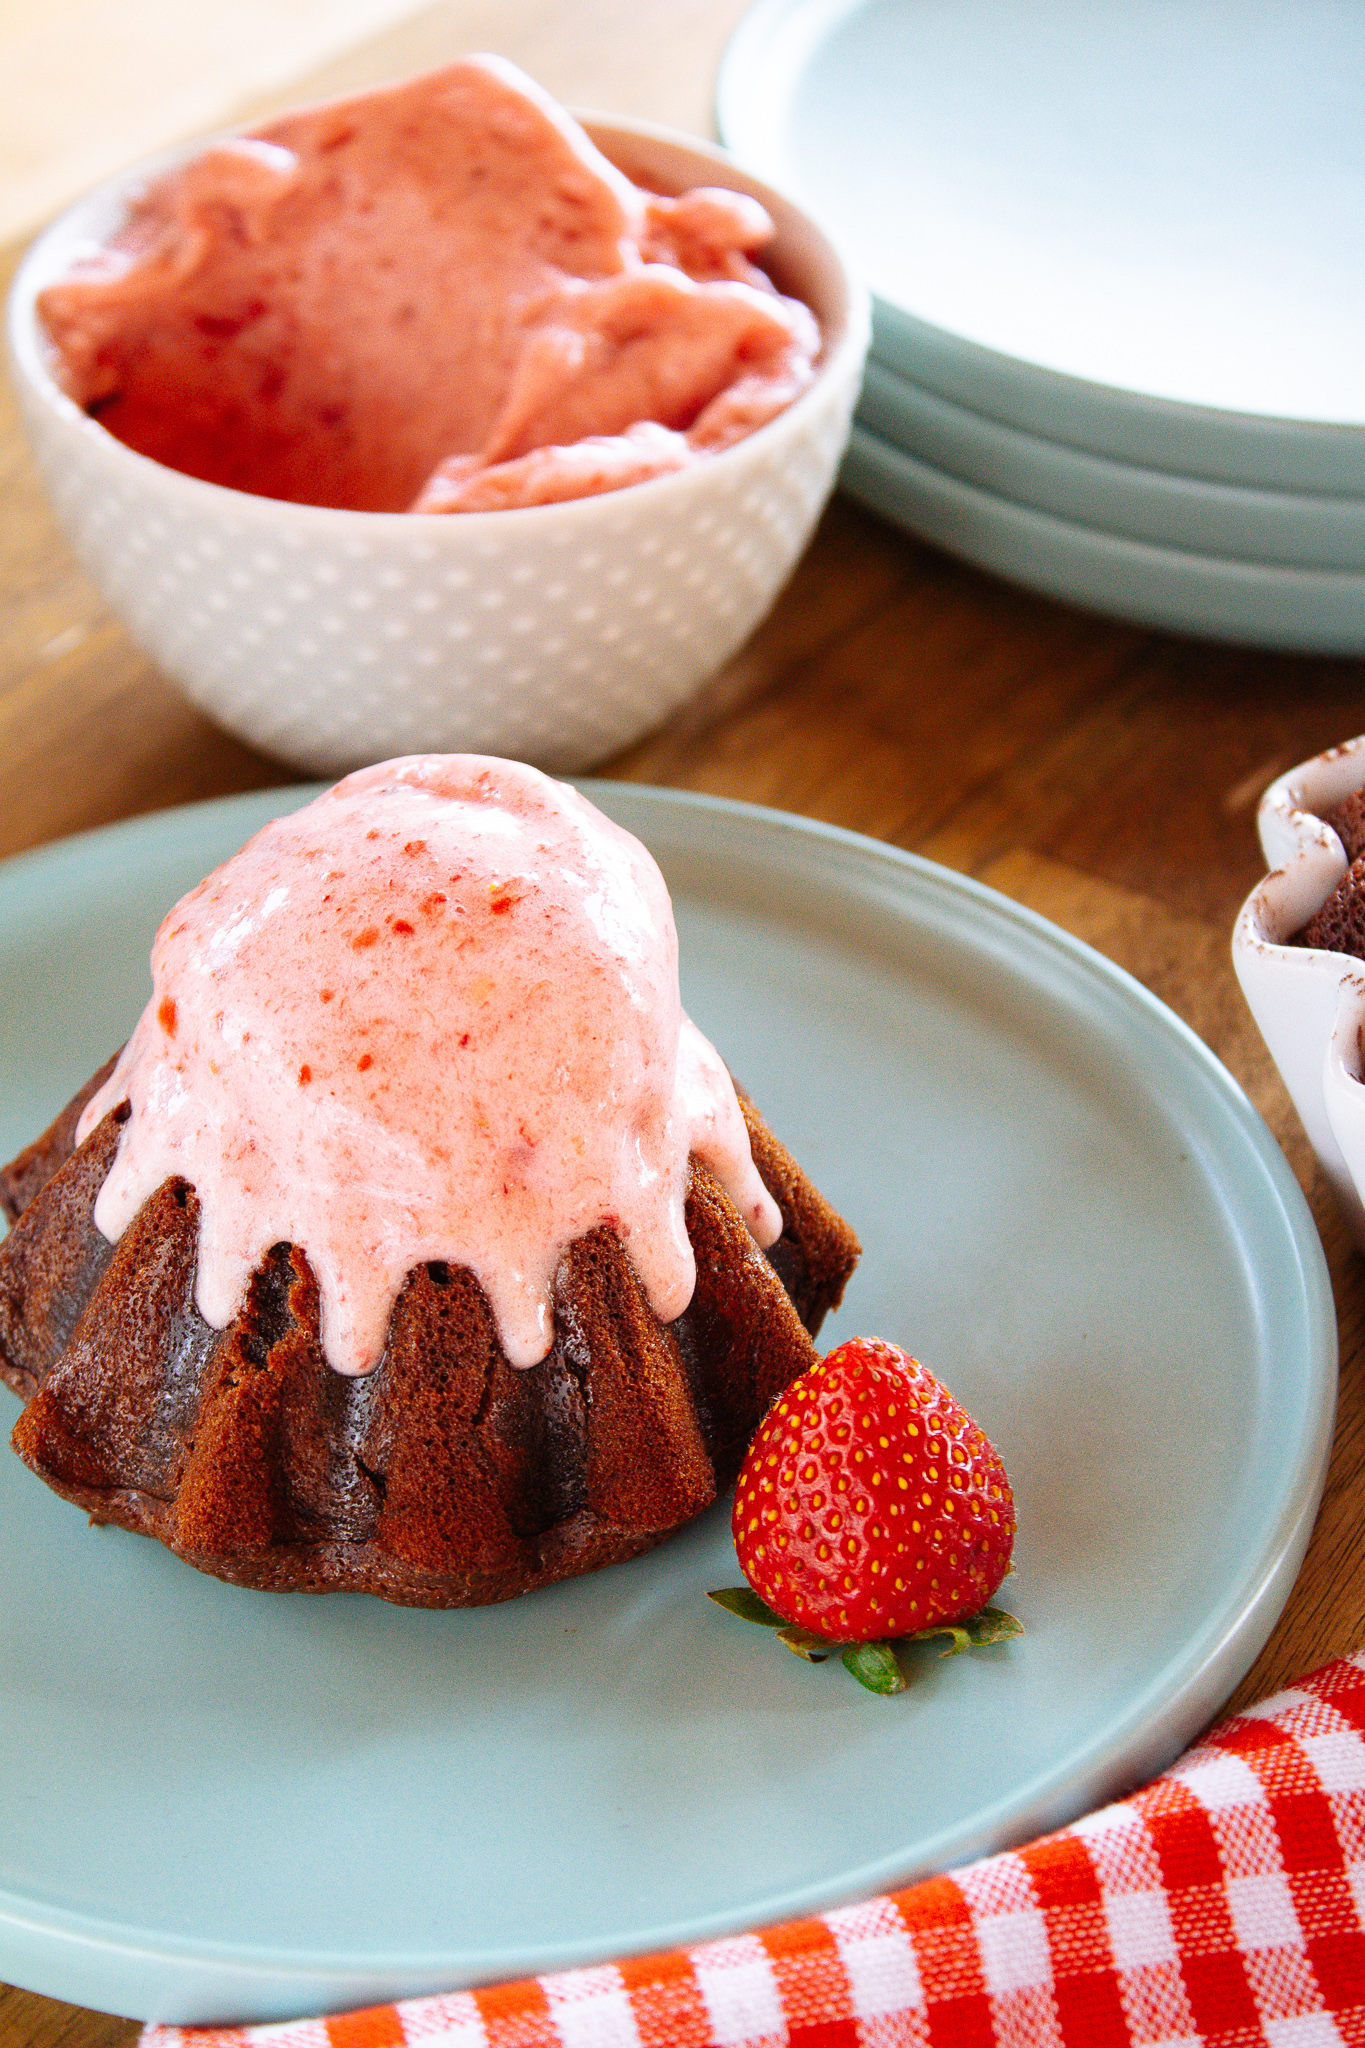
1259,604
218,1804
1130,226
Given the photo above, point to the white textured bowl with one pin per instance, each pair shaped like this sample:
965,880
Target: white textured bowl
556,633
1309,1003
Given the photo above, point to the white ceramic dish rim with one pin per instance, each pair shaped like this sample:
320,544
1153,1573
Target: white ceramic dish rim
1308,1002
1181,1696
1126,499
99,211
1259,450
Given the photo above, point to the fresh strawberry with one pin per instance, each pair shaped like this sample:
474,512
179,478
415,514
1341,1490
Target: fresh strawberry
871,1507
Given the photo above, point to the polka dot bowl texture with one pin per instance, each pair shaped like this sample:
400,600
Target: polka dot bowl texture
554,633
1309,1003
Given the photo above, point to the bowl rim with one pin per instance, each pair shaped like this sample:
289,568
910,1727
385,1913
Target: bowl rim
846,338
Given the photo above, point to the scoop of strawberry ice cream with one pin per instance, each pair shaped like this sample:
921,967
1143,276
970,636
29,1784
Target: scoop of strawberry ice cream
433,1015
428,297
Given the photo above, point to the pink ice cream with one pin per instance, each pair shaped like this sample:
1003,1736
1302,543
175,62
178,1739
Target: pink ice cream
433,1015
434,297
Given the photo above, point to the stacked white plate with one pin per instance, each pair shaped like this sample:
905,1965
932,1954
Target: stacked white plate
1117,253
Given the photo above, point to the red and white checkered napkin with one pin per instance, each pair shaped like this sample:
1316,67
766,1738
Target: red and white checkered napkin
1223,1905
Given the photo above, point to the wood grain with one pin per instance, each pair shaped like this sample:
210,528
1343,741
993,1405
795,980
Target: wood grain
85,87
1104,775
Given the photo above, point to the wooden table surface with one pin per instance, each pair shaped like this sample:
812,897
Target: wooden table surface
1104,775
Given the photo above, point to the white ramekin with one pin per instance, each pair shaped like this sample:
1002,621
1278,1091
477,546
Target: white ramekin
1309,1003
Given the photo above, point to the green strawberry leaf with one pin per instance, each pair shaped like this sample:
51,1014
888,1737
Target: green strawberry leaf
959,1638
815,1649
874,1665
974,1631
743,1601
994,1625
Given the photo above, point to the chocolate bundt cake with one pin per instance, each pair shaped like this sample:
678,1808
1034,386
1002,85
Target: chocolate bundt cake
444,1477
436,1465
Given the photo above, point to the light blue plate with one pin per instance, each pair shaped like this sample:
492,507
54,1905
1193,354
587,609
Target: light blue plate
1267,528
223,1804
1259,604
1130,225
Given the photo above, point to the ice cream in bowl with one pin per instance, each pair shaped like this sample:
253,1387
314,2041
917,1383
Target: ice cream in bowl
432,419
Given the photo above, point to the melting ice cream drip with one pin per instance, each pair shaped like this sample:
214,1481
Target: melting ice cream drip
434,1015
